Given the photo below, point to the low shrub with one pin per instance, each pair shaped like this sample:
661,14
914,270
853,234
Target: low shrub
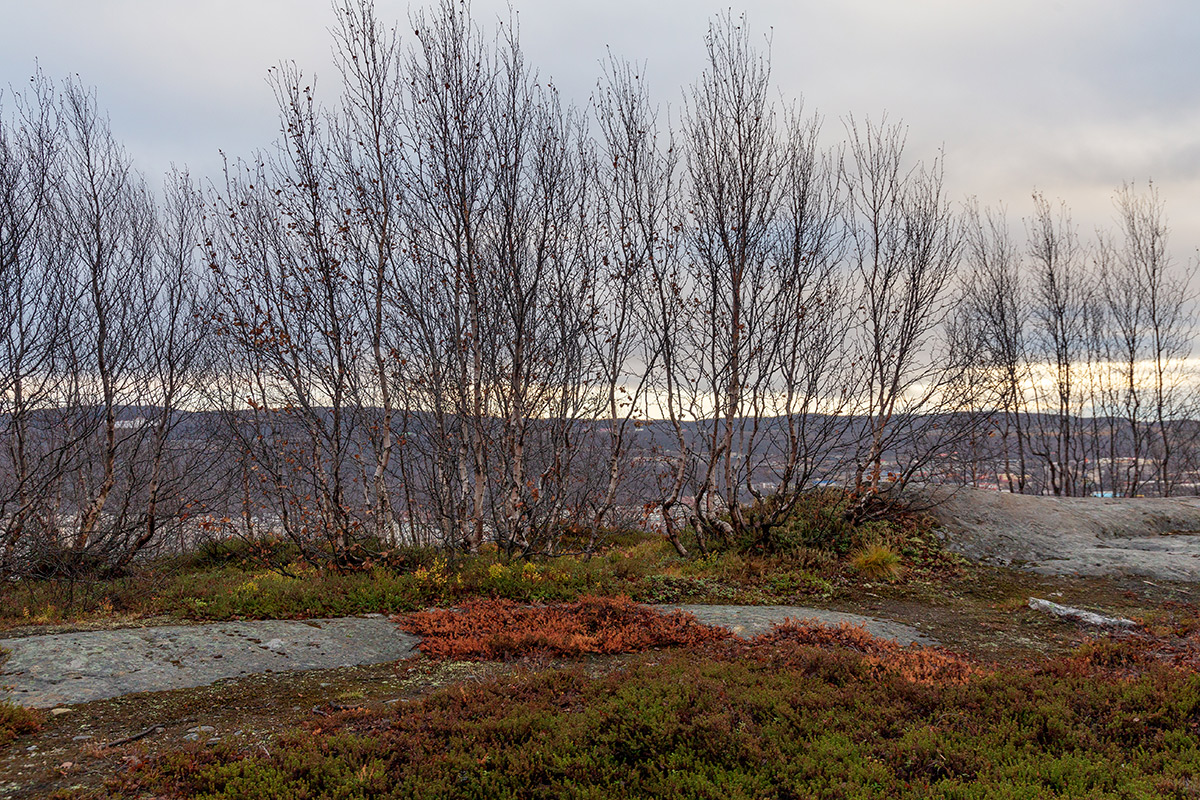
582,540
816,520
1172,641
53,561
407,580
803,712
502,629
268,551
17,721
232,592
683,588
47,602
786,583
925,665
818,524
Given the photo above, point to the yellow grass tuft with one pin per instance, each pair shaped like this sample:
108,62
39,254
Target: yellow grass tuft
877,562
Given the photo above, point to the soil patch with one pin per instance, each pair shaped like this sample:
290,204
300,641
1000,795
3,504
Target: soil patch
985,612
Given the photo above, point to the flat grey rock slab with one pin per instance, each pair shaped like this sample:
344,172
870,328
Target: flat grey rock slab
65,668
1154,537
748,621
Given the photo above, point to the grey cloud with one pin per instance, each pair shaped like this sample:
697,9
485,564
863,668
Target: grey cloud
1076,95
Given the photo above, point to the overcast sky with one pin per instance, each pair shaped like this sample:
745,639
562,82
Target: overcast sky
1069,96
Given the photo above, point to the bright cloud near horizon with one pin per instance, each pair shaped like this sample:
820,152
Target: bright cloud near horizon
1070,97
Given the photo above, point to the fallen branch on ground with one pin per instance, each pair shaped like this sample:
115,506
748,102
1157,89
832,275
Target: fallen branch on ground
1080,615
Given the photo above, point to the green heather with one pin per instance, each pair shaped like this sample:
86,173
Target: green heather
760,722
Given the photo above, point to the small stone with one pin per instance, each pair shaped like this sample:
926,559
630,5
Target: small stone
83,737
206,729
58,712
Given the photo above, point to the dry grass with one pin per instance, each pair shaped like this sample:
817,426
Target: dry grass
877,562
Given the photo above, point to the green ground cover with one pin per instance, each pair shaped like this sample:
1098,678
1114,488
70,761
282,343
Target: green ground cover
791,714
775,718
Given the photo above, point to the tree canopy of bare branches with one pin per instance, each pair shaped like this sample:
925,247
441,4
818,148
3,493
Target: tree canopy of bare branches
449,307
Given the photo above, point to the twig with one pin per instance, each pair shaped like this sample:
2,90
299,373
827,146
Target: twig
139,735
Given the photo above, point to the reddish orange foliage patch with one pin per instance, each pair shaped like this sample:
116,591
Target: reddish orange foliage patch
17,721
1129,654
1169,640
924,665
504,629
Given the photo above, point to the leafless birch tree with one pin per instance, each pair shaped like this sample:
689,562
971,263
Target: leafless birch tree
1061,296
905,252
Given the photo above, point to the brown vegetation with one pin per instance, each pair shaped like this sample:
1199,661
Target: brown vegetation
17,721
925,665
600,625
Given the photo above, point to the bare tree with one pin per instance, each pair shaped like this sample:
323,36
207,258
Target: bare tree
639,294
634,183
733,158
905,251
1121,390
367,140
733,163
176,478
1061,293
108,216
449,170
290,307
752,334
102,344
540,277
32,306
1164,297
449,309
995,297
812,395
